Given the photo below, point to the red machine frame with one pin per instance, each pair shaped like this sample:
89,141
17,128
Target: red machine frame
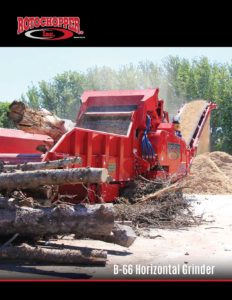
122,154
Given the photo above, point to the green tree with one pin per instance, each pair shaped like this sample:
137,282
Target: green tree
100,78
127,77
61,95
149,75
32,96
4,122
200,79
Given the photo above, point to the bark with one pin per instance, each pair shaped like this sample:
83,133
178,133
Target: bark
121,234
62,219
34,179
36,121
53,164
50,255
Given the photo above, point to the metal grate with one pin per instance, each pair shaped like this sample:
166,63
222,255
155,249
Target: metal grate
117,124
116,108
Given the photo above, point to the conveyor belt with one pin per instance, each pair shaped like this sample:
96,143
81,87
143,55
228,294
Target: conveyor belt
190,116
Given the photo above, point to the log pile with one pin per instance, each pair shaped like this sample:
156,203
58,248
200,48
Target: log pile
21,219
85,221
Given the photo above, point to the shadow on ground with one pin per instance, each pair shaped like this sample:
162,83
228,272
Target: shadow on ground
32,271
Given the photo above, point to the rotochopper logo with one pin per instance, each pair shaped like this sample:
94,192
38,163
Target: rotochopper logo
50,28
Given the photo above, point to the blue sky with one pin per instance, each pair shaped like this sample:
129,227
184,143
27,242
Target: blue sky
19,67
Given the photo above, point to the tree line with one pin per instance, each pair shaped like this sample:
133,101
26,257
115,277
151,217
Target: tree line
180,80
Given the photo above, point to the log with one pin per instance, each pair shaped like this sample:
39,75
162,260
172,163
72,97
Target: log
36,121
62,219
122,235
46,165
26,252
33,179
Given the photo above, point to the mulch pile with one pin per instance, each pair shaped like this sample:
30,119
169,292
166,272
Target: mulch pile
211,173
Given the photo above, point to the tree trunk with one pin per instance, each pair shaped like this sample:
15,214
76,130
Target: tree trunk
59,256
53,164
36,121
62,219
33,179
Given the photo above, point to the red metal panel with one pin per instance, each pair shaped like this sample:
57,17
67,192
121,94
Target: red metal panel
121,173
17,146
89,147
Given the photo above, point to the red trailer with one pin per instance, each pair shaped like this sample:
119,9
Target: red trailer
17,146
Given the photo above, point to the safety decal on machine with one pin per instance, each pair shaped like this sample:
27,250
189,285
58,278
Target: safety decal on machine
173,151
111,167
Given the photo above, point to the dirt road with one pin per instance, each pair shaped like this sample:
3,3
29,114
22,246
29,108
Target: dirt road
180,253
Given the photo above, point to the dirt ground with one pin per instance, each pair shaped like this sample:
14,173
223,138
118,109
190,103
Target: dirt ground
208,245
